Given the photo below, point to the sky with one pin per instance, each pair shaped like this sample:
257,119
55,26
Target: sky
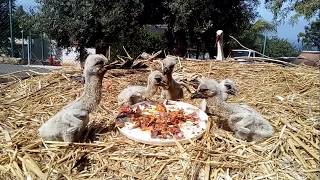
286,30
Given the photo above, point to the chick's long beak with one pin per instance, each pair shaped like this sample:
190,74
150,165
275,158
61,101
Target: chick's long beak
165,70
104,68
163,83
197,95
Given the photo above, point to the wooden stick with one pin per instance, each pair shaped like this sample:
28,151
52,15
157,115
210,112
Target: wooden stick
307,148
154,55
179,62
262,59
32,93
109,53
295,151
246,47
210,67
266,57
155,176
119,57
126,52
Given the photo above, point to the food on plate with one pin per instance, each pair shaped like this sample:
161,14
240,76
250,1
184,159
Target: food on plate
163,121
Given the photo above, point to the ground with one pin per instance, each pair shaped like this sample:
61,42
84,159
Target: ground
286,96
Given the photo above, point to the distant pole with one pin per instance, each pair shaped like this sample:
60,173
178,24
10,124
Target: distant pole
30,41
28,52
264,44
22,44
42,47
29,47
10,21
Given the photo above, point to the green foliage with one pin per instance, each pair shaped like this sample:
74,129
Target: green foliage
277,47
4,26
199,20
311,37
305,8
19,22
253,37
144,40
100,23
90,23
261,26
85,22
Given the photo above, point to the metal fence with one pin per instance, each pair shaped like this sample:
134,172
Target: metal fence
20,44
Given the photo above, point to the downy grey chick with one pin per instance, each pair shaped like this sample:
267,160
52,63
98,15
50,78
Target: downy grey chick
174,90
68,124
226,86
247,123
134,94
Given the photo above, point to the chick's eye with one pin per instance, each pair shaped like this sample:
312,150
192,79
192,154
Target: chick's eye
203,90
157,79
99,63
228,86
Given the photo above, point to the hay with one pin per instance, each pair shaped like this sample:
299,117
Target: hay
287,97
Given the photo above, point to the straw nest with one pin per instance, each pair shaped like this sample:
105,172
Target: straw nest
287,97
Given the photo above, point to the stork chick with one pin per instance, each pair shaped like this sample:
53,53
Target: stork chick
174,90
134,94
247,123
226,87
68,124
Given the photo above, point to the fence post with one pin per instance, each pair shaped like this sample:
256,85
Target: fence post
29,47
10,21
28,51
22,49
42,47
264,44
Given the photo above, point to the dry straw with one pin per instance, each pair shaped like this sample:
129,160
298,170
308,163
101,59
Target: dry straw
287,97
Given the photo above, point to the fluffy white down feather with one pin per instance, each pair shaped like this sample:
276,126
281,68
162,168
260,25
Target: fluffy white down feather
246,122
131,95
68,124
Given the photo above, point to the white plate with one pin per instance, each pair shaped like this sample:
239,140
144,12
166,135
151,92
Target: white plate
138,135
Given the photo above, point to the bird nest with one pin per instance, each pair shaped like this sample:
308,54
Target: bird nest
288,97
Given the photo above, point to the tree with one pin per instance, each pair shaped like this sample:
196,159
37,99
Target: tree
253,37
311,37
277,47
24,20
19,17
90,23
196,21
305,8
99,23
5,25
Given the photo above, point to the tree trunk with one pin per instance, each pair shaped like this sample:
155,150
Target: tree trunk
83,56
170,33
170,40
181,43
101,47
210,47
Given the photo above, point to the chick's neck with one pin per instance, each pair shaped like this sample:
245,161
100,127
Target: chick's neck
92,92
151,89
219,106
